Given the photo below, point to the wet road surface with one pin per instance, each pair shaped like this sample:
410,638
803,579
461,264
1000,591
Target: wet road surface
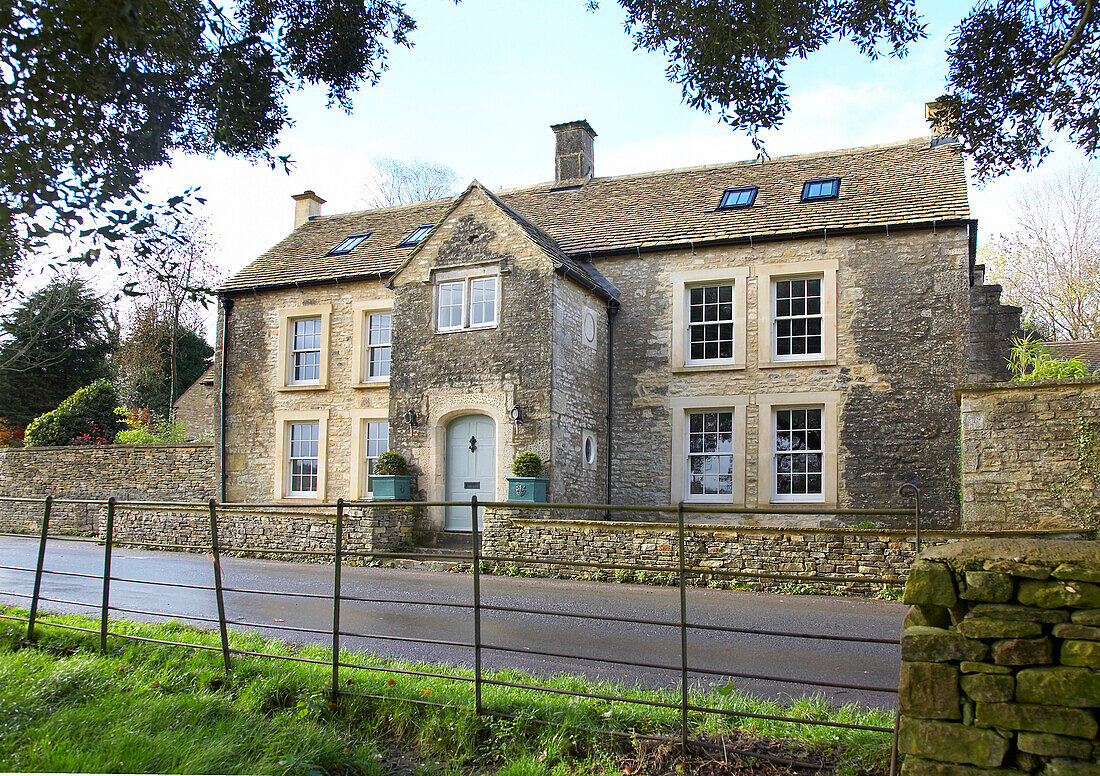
777,657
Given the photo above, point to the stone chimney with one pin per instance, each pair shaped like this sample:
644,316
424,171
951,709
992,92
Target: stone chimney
306,206
573,160
934,113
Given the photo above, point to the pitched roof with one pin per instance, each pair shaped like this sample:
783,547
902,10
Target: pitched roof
897,184
1088,350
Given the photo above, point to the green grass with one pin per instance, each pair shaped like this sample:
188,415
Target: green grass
146,707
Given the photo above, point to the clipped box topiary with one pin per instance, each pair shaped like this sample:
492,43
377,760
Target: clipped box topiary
391,480
527,484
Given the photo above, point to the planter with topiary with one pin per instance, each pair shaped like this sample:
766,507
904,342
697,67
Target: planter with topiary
390,480
527,482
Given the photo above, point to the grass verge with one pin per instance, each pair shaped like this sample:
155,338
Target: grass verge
147,707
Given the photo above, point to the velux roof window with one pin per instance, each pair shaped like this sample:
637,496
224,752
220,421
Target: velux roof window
418,234
349,244
743,196
820,188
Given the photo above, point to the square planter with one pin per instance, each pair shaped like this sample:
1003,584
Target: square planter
392,487
532,489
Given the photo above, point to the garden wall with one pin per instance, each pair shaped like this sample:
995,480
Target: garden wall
1000,655
312,530
835,552
134,472
1031,454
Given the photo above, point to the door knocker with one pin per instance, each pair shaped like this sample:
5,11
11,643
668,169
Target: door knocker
473,444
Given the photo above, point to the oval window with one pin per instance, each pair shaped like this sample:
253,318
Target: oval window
590,450
589,327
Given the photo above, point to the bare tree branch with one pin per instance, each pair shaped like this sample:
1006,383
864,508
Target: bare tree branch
397,182
1050,265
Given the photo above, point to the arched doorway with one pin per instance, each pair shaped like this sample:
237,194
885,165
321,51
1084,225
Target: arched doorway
471,465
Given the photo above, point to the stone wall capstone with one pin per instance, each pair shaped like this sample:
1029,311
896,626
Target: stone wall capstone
1001,660
132,472
1031,454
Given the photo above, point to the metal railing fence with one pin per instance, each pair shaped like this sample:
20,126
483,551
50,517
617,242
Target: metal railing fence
477,608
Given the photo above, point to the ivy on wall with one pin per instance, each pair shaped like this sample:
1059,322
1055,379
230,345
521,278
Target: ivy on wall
1080,491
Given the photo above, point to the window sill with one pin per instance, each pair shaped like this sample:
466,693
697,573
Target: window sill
687,368
318,387
712,501
373,384
467,329
796,502
797,363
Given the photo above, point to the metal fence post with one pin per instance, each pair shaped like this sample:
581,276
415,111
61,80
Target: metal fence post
38,568
476,539
916,508
683,634
110,533
338,561
218,583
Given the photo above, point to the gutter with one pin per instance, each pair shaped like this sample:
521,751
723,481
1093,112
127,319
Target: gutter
753,239
566,271
227,309
586,255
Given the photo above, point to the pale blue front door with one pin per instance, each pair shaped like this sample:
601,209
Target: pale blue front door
471,467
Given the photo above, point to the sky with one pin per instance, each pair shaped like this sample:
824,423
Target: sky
486,79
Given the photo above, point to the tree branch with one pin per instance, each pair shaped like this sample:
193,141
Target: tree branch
1078,33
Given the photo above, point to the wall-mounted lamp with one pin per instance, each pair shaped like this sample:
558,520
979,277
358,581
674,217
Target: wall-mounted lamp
517,415
410,418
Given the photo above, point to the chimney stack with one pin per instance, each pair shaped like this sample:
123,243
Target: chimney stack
935,113
573,160
306,206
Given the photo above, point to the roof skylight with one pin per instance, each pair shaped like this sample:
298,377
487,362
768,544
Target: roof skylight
418,234
743,196
821,188
349,244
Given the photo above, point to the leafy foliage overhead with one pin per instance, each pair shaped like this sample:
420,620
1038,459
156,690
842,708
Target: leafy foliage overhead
729,56
1019,70
95,92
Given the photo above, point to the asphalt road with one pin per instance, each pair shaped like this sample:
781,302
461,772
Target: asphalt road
777,657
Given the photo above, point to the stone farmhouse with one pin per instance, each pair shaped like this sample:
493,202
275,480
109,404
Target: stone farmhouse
778,333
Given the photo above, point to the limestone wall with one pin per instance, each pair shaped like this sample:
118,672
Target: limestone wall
751,550
1001,652
1031,454
902,322
366,529
133,472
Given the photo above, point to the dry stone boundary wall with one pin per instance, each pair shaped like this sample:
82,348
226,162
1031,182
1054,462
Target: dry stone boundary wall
131,472
787,552
273,530
1001,660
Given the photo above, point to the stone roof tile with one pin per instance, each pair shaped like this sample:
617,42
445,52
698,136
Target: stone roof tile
897,184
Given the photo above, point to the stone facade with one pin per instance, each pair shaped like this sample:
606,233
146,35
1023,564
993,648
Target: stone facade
134,472
255,394
992,327
1031,454
794,553
901,347
585,362
195,408
1000,655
